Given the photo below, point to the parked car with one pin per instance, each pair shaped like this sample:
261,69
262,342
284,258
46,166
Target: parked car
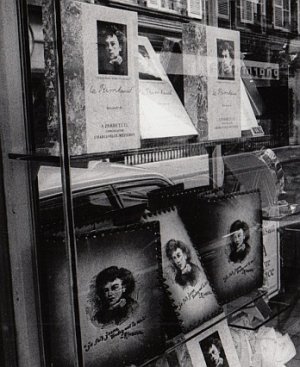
97,191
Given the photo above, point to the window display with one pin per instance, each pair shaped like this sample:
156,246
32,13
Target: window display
190,262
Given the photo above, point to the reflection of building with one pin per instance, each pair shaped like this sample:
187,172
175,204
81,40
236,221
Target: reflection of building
267,28
269,32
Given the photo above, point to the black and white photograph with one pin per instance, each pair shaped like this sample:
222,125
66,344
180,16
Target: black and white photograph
179,255
185,280
111,292
213,351
112,48
228,236
214,348
149,183
119,295
239,241
226,66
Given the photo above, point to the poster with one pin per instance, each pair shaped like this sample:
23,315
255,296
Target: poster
211,68
101,80
214,348
185,280
227,233
120,296
161,111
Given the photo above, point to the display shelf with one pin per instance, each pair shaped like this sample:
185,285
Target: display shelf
142,155
231,310
251,318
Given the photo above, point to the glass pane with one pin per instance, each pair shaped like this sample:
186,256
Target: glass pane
134,195
126,98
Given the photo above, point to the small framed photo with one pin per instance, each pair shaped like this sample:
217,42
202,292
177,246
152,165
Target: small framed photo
226,65
214,348
112,48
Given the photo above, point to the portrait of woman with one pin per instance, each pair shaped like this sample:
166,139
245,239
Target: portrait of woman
239,241
225,59
113,303
213,351
186,273
112,49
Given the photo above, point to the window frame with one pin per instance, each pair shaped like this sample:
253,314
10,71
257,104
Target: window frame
224,16
283,11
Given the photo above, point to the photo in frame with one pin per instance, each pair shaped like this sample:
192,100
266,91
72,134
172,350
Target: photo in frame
120,295
214,348
227,233
186,283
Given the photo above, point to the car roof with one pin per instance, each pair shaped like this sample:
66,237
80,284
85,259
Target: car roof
103,173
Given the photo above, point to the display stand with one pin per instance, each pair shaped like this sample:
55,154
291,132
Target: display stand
256,312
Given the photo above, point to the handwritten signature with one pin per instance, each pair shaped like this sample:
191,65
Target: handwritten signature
195,293
239,270
124,334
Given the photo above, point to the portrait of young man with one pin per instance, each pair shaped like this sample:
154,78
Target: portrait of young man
225,59
112,48
239,241
213,351
113,302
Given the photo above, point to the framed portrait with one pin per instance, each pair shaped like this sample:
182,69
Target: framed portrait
225,52
184,278
227,233
112,48
119,296
214,348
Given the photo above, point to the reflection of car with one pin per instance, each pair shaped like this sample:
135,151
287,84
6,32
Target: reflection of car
96,191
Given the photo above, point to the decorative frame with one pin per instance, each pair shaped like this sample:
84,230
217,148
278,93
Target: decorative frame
233,269
214,346
120,295
187,286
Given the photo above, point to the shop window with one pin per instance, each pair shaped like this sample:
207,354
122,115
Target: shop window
137,193
223,9
282,14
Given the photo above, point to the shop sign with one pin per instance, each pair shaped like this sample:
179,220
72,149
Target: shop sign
260,70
